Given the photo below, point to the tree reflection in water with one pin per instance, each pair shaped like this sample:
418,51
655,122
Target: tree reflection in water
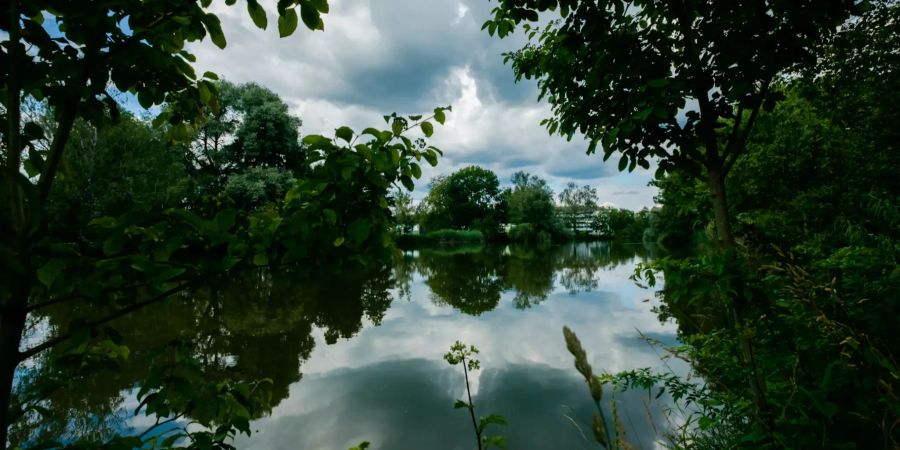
260,324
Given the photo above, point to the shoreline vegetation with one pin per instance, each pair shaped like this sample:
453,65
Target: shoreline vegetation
771,129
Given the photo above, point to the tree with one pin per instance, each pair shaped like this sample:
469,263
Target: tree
405,215
108,171
815,203
137,259
577,206
251,129
466,199
257,186
531,201
681,82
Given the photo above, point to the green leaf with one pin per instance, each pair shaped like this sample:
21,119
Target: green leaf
261,259
661,82
225,219
460,404
416,170
359,230
214,28
364,445
114,244
48,273
344,133
321,5
427,128
431,157
623,163
397,126
407,182
258,14
170,273
496,441
311,17
330,215
491,419
287,23
338,241
439,116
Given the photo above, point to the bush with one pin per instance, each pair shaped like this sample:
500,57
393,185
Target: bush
442,237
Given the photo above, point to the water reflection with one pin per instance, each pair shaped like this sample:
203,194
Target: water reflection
368,345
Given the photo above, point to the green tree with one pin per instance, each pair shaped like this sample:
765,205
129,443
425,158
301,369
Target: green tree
251,128
577,206
466,199
137,259
405,214
257,186
112,170
815,206
681,82
531,201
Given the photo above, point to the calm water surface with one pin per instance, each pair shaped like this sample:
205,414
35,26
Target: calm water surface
360,356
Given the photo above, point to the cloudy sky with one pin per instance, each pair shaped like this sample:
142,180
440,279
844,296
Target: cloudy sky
381,56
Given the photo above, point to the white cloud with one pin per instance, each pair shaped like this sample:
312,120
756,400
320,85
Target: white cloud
377,57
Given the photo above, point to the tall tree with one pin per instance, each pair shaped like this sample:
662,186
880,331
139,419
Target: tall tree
681,82
577,206
404,213
466,199
531,201
112,170
251,128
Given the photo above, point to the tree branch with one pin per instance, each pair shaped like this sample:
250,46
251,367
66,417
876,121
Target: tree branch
741,144
702,85
735,130
126,310
64,129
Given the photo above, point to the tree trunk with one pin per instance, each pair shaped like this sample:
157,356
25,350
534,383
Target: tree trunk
12,324
720,209
747,351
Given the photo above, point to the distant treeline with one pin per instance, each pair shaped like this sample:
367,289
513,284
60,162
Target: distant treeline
469,205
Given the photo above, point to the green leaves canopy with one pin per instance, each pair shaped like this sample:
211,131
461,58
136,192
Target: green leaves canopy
656,79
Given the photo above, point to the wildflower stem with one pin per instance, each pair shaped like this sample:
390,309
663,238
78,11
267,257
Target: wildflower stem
471,405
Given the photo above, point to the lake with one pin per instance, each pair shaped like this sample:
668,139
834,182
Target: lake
359,355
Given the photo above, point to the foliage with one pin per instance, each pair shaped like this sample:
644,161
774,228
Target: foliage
121,45
459,354
467,199
251,127
815,202
337,212
530,234
112,170
256,187
621,224
679,82
531,201
405,216
577,207
451,237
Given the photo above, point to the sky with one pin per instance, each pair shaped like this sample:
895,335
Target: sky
376,57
